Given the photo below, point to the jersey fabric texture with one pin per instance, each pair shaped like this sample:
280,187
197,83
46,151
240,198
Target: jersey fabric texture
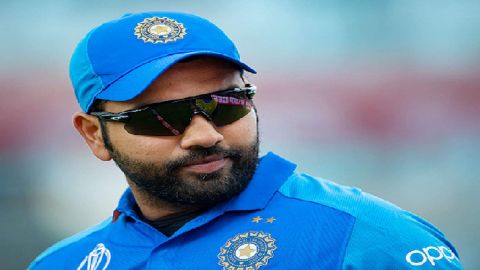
282,220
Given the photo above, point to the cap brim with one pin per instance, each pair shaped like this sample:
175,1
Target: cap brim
137,80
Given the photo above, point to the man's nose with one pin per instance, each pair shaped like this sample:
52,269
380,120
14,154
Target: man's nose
200,132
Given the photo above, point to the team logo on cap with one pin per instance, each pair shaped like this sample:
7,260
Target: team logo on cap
159,30
247,251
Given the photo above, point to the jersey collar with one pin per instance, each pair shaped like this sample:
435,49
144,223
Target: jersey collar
271,173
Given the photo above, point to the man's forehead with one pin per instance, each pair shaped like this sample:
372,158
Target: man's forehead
196,70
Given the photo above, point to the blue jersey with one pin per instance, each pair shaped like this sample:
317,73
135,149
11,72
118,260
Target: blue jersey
282,220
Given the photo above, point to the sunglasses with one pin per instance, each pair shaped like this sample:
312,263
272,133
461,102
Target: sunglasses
170,118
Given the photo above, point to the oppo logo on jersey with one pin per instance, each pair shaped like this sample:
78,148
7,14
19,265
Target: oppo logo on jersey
429,255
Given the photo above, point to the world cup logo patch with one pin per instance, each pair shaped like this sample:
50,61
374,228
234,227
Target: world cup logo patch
159,30
97,259
247,251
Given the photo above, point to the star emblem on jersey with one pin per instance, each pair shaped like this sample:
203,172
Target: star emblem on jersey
257,219
247,251
159,30
271,219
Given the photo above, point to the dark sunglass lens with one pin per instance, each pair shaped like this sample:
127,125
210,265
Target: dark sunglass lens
230,109
160,120
146,123
206,104
172,118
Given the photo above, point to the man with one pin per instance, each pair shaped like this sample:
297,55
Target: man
164,95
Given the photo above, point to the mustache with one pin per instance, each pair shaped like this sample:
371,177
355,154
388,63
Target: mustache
200,153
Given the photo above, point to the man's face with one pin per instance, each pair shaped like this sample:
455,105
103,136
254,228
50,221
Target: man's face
205,164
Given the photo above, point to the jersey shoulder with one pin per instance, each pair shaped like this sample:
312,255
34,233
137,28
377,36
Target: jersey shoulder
347,199
59,255
384,236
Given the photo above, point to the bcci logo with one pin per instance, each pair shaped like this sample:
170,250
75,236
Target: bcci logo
159,30
247,251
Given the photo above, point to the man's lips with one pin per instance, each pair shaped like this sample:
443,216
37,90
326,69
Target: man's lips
207,164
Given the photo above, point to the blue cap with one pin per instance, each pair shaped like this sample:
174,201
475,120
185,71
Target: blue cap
119,59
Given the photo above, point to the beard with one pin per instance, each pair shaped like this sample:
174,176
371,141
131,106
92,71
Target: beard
165,181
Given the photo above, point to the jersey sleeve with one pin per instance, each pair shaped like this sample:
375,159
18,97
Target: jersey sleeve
400,240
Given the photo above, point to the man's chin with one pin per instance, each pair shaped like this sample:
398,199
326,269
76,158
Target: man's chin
207,180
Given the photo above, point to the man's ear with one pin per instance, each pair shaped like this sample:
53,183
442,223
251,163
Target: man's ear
89,127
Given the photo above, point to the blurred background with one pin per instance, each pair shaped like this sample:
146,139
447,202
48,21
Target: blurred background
383,95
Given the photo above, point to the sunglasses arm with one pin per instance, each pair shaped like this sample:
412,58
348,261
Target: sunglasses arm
114,117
